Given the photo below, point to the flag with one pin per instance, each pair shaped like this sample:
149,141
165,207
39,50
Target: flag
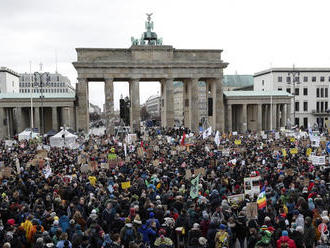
261,201
194,187
125,149
217,138
183,138
207,133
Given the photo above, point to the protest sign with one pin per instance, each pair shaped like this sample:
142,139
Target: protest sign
156,148
131,138
252,210
235,198
155,162
318,160
238,142
140,152
252,185
308,152
188,174
104,166
200,171
226,152
84,168
293,150
126,185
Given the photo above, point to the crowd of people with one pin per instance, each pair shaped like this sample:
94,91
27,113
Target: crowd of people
108,193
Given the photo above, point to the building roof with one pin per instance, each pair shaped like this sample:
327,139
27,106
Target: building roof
237,80
5,69
290,69
255,93
37,95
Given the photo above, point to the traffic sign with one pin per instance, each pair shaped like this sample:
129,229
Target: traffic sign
328,146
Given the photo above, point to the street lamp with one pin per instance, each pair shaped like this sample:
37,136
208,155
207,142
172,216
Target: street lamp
295,78
39,83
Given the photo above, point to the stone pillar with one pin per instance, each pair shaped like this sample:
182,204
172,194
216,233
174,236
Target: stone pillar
267,115
72,122
194,105
288,114
19,119
278,115
167,103
244,118
186,107
82,114
109,110
259,117
218,107
274,117
37,118
134,93
229,118
4,129
283,115
54,119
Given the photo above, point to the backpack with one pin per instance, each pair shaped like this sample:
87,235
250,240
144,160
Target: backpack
129,235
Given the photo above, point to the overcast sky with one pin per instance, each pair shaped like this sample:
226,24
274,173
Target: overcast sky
254,34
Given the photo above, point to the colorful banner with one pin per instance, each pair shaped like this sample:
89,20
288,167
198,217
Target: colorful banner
194,187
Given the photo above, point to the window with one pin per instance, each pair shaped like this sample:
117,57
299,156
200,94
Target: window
297,106
305,79
58,78
263,82
317,106
288,79
279,79
313,79
279,89
296,79
322,107
329,79
305,122
325,92
288,90
322,79
296,91
322,92
296,121
305,106
326,106
22,79
305,91
317,92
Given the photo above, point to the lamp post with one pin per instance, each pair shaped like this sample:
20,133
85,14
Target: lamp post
295,78
39,83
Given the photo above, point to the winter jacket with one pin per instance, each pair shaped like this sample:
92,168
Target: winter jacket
146,233
287,240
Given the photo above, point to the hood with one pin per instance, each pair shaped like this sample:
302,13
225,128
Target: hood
284,239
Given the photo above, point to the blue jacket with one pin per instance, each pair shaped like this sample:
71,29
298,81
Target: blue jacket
146,232
64,222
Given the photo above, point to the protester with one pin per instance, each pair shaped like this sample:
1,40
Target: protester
164,190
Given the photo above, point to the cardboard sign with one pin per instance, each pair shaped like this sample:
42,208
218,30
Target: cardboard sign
84,168
252,210
156,148
140,152
252,185
200,171
104,166
131,138
188,174
226,152
317,160
6,171
155,162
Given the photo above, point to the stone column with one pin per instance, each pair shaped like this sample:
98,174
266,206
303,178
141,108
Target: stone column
274,117
194,105
168,106
229,117
267,115
278,115
186,107
134,93
244,118
259,117
218,107
109,110
37,118
72,122
4,129
82,114
283,115
19,119
54,119
288,114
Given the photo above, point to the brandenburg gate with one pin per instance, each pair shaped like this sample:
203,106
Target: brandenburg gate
148,60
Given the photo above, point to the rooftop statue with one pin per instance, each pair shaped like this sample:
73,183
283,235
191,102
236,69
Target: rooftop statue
148,37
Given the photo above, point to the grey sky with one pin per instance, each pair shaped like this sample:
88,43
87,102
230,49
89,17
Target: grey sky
254,34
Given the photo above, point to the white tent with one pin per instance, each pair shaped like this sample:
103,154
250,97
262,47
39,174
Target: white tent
63,138
27,135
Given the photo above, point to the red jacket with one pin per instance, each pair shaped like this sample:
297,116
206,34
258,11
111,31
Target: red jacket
285,239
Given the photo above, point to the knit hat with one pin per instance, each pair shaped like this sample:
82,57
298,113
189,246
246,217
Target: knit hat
11,222
285,233
222,227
